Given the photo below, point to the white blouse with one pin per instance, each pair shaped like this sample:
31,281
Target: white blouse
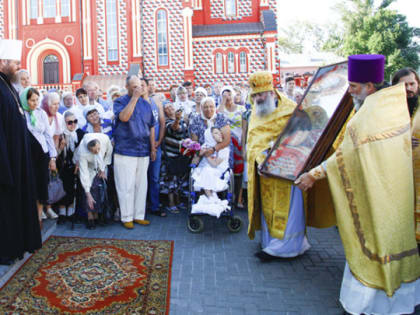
89,163
56,130
42,131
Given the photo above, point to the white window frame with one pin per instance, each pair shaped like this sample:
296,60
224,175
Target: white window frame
112,30
219,62
50,8
243,67
230,62
65,8
34,9
230,8
162,44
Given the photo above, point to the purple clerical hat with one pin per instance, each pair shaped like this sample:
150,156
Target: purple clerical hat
366,68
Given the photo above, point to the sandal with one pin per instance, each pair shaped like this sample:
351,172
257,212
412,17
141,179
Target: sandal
173,209
159,213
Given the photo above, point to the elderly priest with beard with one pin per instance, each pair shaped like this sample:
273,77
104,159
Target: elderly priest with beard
19,227
275,206
371,181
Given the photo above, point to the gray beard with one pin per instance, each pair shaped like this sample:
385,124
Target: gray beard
357,103
265,108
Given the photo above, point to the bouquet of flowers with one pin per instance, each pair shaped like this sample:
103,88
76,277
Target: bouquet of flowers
189,147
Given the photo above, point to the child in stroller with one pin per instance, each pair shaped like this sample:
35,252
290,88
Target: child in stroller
212,176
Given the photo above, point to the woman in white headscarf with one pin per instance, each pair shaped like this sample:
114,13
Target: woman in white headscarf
182,102
209,118
212,175
93,156
72,137
208,174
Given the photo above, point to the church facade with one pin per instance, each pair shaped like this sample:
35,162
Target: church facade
172,41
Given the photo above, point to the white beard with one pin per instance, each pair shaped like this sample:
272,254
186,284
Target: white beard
359,99
265,108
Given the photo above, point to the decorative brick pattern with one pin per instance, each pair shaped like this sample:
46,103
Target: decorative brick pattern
203,57
273,5
175,74
244,8
204,60
1,20
122,66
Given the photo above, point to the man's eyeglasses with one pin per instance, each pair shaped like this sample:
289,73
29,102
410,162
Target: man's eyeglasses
71,122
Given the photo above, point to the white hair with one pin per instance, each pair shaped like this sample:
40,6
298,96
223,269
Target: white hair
53,96
207,99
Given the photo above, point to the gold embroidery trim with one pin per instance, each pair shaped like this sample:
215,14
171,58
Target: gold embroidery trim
394,132
356,221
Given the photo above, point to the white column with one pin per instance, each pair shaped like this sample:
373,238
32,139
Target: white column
40,19
87,30
73,10
24,13
57,11
12,20
270,55
136,30
187,14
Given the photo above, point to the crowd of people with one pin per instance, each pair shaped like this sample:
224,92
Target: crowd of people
144,133
116,156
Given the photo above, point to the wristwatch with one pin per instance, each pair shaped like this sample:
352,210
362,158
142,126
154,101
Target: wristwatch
53,159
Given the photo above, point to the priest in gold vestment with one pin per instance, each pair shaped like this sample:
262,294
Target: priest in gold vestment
275,206
371,181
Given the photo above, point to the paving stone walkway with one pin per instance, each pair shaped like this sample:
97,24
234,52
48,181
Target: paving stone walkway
215,272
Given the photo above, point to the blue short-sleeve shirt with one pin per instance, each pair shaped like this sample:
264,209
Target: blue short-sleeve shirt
132,138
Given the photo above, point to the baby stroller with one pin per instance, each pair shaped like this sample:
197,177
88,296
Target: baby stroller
195,222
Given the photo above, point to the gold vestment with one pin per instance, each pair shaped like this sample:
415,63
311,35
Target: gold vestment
371,180
275,193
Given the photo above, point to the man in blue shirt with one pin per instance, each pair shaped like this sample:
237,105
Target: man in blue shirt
134,137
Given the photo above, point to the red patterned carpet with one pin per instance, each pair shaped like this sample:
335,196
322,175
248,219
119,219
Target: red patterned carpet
92,276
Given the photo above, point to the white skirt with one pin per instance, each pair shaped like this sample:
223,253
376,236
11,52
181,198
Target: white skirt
294,242
357,298
209,178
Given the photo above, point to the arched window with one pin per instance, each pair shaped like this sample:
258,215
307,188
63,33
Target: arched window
230,7
242,62
219,63
65,7
112,30
231,62
34,9
49,8
162,37
51,74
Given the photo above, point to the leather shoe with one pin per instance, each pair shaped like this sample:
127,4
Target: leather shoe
142,222
264,257
128,225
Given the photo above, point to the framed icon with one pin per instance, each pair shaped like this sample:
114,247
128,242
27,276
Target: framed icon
313,126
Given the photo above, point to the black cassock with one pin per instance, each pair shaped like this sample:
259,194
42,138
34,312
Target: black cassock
19,225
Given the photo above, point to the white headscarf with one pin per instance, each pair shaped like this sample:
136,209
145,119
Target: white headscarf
83,149
208,120
71,139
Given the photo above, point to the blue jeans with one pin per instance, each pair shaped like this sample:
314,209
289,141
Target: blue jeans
153,181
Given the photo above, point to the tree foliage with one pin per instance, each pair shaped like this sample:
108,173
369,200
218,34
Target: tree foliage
376,30
302,36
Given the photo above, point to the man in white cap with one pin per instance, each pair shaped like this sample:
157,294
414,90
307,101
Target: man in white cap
19,228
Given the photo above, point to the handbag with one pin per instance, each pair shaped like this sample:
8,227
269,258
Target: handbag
55,188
